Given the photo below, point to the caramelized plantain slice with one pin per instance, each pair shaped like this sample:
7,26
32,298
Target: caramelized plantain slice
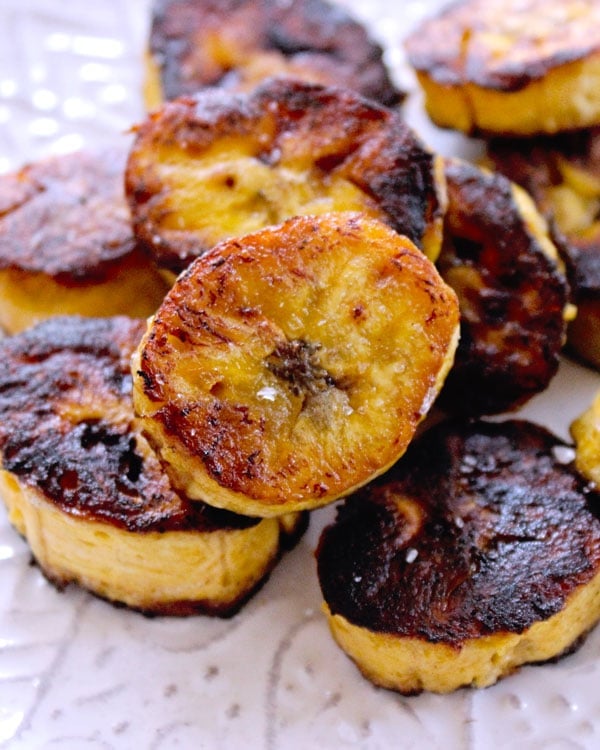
585,431
83,487
562,173
477,553
510,67
499,259
287,367
66,242
222,165
235,44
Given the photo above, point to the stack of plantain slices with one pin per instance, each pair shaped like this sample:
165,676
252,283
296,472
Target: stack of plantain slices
84,488
79,478
524,77
321,279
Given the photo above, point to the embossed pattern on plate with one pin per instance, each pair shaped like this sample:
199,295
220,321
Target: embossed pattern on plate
76,672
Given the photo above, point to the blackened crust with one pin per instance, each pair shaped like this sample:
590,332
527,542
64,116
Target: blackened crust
481,528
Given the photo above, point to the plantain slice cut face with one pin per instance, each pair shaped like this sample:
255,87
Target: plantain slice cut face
223,165
510,67
290,366
66,242
498,257
477,553
235,44
83,487
562,173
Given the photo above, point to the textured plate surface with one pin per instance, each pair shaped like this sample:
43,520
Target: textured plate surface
76,673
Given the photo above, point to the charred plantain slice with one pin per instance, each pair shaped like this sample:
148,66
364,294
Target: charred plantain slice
287,367
510,67
66,242
562,173
222,165
477,553
235,44
84,488
498,257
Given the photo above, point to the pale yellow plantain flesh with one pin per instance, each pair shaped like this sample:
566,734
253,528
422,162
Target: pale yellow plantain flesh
292,365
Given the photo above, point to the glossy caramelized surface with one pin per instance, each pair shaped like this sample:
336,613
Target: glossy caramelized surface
290,365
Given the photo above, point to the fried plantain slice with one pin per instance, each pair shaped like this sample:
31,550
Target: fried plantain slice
562,173
84,488
235,44
511,67
222,165
585,431
477,553
66,242
287,367
498,257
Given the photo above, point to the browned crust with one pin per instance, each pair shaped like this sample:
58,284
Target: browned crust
66,216
512,296
315,39
337,130
67,429
455,46
503,532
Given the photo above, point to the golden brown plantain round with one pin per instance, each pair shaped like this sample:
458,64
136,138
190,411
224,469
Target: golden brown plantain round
222,165
235,44
562,173
84,488
66,242
288,367
477,553
510,66
498,257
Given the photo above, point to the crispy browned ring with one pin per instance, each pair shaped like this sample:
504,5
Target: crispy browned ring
290,365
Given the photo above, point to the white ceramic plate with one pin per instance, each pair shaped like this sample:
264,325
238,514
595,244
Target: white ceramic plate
77,673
